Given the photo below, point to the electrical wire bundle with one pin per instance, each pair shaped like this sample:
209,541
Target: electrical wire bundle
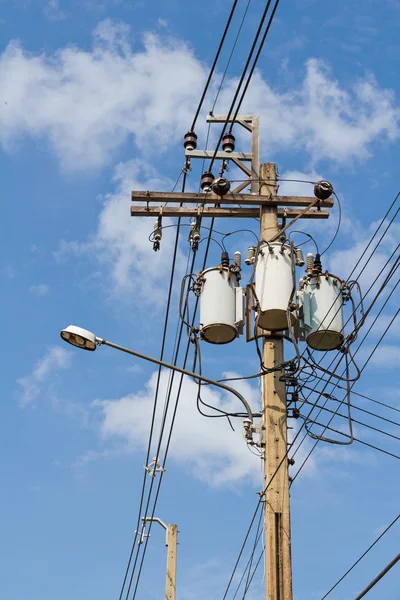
307,370
311,371
151,489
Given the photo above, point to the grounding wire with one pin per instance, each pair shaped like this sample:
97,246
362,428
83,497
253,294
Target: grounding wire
362,556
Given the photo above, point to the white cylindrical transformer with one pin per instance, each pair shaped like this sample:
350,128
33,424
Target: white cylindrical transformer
274,285
323,304
218,316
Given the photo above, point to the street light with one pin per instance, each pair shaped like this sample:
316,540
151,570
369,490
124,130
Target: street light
86,340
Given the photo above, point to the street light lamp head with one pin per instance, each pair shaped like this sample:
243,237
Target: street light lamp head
81,338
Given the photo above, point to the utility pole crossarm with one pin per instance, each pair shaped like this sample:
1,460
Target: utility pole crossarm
238,213
243,199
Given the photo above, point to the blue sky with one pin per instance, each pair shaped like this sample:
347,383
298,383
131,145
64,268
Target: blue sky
95,97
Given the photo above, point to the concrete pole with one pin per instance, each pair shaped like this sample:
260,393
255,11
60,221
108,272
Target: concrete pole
278,565
172,543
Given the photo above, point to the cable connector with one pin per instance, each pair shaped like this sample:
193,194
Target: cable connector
157,234
248,431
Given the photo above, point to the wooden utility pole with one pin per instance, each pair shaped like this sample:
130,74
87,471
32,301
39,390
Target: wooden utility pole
278,567
172,543
263,202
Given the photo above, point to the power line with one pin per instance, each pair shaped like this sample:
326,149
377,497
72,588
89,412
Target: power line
362,556
167,310
327,426
172,376
368,412
378,577
396,437
303,425
230,57
234,5
271,18
250,55
331,374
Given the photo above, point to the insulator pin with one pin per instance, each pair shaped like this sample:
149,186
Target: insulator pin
194,236
317,269
310,262
190,141
237,259
157,235
225,259
323,190
299,258
221,186
228,142
206,181
250,256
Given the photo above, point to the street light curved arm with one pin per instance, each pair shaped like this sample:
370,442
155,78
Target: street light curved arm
86,340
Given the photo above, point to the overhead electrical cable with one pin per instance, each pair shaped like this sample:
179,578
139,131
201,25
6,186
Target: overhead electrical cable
338,432
383,220
173,416
214,64
300,429
364,366
378,577
355,406
326,383
241,80
247,569
230,58
167,311
246,87
179,220
362,556
321,393
157,453
396,437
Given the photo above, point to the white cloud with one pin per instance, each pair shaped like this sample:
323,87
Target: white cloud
32,384
41,289
207,447
88,103
212,451
322,118
121,243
